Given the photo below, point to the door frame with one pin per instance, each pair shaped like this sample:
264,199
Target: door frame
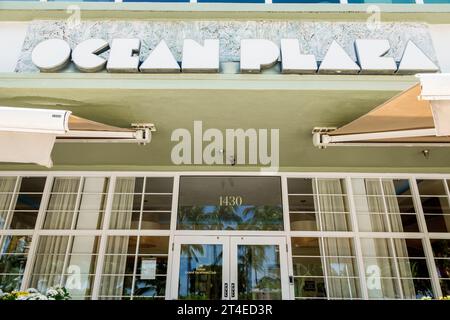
179,240
235,241
229,259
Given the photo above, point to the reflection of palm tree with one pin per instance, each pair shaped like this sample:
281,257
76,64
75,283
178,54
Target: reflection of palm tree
191,252
192,217
225,217
263,218
251,257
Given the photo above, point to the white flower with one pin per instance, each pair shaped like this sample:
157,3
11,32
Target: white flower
32,290
52,292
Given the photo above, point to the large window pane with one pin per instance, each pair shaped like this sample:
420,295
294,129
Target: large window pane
7,185
13,258
72,207
441,252
435,204
395,269
27,203
136,207
230,203
318,204
339,275
66,260
132,262
384,205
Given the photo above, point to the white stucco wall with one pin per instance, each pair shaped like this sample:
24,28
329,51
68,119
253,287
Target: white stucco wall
12,35
440,34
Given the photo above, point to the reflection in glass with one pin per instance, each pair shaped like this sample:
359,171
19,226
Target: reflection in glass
129,200
200,272
435,205
384,205
7,185
318,204
145,257
383,269
441,252
68,261
259,274
230,203
13,258
27,203
338,257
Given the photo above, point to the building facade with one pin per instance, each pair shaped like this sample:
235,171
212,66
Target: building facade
229,197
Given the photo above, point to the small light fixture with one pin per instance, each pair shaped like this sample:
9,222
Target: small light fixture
426,153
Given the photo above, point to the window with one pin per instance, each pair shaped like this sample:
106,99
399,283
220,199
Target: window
395,269
384,205
305,1
435,205
318,205
19,204
142,203
135,268
68,261
76,203
383,1
13,258
325,268
441,251
230,203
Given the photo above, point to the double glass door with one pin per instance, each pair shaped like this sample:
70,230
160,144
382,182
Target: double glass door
230,267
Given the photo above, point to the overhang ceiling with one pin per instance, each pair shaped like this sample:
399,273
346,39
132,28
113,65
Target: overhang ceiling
294,112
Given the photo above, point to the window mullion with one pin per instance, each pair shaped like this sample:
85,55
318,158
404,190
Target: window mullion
432,270
323,258
173,226
13,202
396,266
103,239
35,237
77,204
357,240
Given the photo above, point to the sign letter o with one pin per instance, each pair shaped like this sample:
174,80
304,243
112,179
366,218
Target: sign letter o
51,55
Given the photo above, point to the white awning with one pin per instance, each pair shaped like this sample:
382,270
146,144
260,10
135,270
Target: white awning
28,135
417,116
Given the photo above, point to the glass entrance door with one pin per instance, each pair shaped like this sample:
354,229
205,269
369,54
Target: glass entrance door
258,268
229,267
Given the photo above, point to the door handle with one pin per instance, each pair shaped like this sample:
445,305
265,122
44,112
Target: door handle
233,290
225,290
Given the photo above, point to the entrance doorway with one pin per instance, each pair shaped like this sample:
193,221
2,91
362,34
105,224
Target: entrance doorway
230,267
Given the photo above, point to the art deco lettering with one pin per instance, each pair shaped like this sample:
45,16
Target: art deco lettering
256,55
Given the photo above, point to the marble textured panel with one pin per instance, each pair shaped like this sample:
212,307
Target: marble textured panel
314,37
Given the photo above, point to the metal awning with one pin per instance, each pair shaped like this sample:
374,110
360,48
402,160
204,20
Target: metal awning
408,119
28,135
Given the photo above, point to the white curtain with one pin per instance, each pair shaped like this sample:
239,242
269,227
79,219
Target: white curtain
122,207
400,244
117,247
340,269
49,264
332,204
378,250
7,185
62,203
